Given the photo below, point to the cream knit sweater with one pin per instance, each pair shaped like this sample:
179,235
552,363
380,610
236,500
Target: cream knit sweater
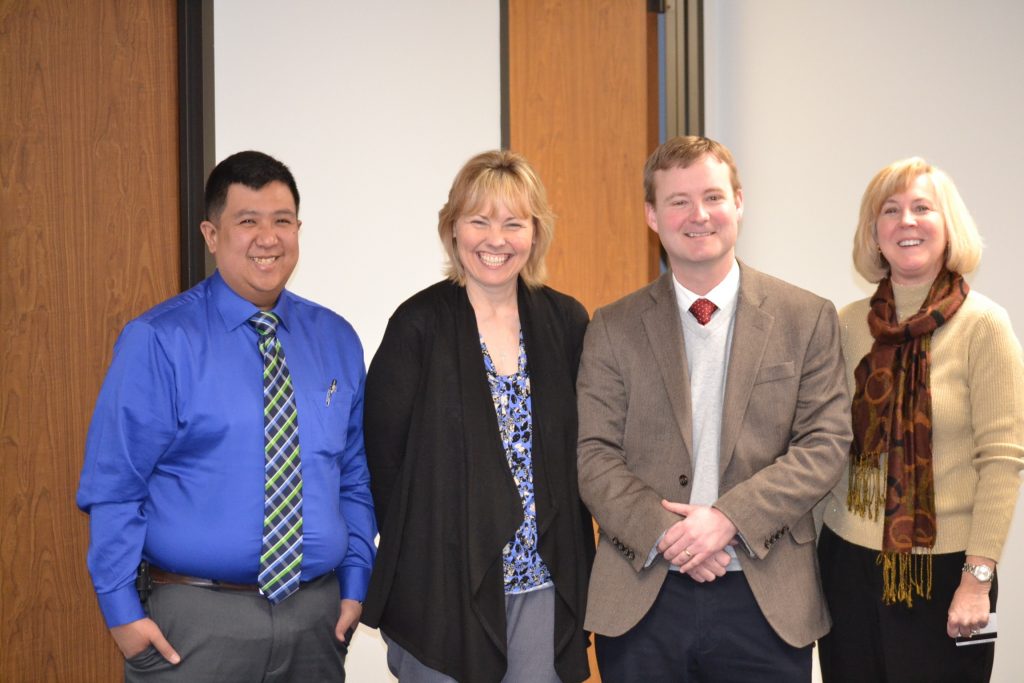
977,385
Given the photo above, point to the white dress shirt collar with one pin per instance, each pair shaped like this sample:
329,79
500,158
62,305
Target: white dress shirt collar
723,295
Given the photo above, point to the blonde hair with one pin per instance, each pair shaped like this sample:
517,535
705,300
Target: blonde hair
963,243
504,177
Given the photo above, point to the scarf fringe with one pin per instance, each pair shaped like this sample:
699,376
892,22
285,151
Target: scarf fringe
866,493
905,575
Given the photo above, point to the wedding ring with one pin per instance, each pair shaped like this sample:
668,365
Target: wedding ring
688,553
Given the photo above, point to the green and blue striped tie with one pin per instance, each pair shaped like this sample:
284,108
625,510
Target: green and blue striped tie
281,556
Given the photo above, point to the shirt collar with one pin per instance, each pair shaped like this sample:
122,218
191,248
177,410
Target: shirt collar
723,295
236,311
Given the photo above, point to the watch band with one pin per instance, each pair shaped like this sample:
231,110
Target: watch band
982,572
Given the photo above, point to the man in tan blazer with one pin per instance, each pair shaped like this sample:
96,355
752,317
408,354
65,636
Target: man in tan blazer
714,414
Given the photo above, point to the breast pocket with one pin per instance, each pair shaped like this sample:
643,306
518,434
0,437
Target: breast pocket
323,420
772,407
775,372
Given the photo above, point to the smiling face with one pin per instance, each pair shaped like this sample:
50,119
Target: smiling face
493,245
696,214
255,241
911,234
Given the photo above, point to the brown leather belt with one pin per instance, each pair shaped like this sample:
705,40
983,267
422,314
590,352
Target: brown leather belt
163,577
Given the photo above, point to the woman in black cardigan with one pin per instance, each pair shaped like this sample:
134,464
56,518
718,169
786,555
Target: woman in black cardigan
470,429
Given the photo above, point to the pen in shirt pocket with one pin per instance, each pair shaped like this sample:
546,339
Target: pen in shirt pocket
330,391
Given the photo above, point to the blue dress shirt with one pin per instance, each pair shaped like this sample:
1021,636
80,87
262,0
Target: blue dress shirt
174,462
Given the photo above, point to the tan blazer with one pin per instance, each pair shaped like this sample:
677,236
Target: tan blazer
785,438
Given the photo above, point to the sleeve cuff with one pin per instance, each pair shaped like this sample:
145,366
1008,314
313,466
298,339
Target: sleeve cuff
353,582
121,606
746,546
654,551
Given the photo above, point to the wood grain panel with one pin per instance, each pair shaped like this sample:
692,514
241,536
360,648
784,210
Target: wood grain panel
583,109
88,210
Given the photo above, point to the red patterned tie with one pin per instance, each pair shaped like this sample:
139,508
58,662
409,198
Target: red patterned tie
702,309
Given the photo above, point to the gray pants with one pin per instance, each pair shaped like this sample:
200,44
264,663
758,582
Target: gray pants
530,628
228,637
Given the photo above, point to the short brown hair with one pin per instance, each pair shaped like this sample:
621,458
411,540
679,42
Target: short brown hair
963,250
682,151
506,177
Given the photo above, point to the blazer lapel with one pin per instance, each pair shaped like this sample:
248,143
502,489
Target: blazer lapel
749,340
665,333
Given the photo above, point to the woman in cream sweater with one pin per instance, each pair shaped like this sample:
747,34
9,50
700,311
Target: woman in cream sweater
914,529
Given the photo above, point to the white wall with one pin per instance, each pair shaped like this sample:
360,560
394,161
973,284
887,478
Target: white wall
374,107
814,97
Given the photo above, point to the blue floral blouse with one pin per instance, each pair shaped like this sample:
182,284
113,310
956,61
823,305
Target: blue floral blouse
523,568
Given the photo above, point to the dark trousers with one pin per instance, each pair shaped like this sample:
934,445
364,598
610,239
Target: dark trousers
702,633
233,637
871,642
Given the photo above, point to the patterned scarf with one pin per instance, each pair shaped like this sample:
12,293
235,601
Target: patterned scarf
891,455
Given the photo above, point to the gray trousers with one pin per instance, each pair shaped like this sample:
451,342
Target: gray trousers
233,637
530,627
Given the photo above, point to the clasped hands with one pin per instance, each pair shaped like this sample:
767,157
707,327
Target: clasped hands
696,544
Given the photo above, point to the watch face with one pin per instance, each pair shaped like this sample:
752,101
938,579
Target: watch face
981,572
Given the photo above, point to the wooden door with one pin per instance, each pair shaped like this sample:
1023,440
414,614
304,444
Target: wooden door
583,108
89,220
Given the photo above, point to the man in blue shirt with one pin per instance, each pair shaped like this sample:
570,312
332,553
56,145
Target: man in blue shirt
178,469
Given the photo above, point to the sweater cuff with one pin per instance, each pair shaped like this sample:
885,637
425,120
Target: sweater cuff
994,502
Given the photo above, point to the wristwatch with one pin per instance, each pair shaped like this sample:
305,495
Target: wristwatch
982,572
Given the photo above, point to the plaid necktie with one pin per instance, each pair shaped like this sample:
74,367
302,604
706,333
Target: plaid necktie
281,556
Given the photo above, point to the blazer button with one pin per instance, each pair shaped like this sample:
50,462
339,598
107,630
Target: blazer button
684,480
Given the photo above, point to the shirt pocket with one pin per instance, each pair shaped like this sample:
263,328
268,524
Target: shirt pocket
324,420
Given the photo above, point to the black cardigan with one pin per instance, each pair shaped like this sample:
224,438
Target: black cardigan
444,497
